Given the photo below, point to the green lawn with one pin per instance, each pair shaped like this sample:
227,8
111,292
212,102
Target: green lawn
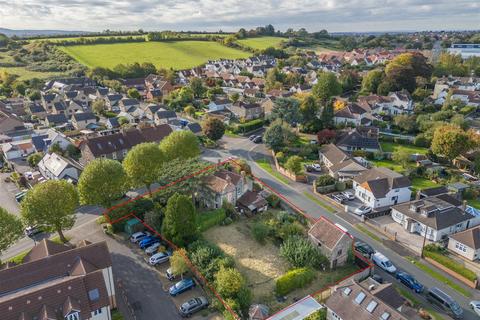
265,165
175,54
474,203
261,43
422,183
388,164
392,147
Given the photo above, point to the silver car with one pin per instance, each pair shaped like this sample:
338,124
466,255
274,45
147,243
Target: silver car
193,305
153,248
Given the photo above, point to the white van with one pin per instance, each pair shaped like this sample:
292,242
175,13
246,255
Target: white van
383,262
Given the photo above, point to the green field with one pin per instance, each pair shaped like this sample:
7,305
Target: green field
175,54
85,37
392,147
24,74
261,43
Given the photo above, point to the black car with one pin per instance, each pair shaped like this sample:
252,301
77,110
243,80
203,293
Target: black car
365,249
257,139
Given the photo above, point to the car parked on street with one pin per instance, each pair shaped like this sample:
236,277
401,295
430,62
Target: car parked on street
475,305
193,305
383,262
364,249
181,286
137,236
158,258
253,136
257,139
153,248
444,301
348,195
338,198
363,210
31,231
409,281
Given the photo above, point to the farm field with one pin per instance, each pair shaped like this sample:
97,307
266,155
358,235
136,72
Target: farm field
261,43
24,74
86,37
175,54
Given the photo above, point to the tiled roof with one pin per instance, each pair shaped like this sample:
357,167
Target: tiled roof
380,181
326,233
470,237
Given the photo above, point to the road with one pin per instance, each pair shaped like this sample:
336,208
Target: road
7,194
243,148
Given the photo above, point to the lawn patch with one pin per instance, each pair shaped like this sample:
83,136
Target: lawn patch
208,219
422,183
265,165
474,203
392,147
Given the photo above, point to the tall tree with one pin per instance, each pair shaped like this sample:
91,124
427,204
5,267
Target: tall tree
372,80
287,109
197,87
10,229
278,135
326,87
178,263
309,113
102,182
180,223
451,141
326,117
52,205
180,144
214,128
142,164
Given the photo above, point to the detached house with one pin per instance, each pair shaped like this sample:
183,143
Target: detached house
83,120
55,167
352,113
466,243
222,186
247,111
164,116
58,282
381,187
333,242
219,104
360,138
339,164
434,217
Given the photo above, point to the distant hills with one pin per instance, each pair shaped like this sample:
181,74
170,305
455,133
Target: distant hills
33,33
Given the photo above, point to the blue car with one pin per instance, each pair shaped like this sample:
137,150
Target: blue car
409,281
147,242
181,286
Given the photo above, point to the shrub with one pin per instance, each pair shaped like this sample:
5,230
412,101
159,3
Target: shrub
438,254
300,253
227,221
324,180
421,141
280,155
273,201
260,232
206,220
249,126
318,315
340,186
289,229
294,279
294,165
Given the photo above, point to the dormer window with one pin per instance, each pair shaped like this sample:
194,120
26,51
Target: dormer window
73,316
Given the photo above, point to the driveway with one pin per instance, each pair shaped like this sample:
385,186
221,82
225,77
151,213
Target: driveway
7,194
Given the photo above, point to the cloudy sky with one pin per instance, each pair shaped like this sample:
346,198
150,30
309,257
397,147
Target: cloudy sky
229,15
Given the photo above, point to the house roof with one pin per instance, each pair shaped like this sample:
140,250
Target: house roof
351,111
333,153
435,212
351,301
126,139
56,119
252,200
9,123
326,233
166,114
428,192
222,181
360,137
83,116
380,181
129,102
54,164
469,237
194,127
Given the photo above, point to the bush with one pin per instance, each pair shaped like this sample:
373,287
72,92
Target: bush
300,253
421,141
438,254
206,220
340,186
294,279
324,180
294,165
260,232
249,126
273,201
227,221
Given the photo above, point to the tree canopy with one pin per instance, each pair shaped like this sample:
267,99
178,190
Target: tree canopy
451,141
180,144
180,220
214,128
10,229
326,87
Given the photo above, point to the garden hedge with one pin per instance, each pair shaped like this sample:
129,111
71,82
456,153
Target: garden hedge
249,126
294,279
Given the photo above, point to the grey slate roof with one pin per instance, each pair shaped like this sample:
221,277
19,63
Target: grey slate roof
381,180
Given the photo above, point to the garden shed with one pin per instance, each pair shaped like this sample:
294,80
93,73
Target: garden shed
133,225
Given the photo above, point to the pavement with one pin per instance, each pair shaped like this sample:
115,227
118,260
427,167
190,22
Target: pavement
243,148
7,194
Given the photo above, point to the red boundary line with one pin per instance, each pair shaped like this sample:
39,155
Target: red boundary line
187,260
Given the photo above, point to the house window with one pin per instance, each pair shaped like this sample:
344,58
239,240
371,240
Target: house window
97,312
114,156
460,247
73,316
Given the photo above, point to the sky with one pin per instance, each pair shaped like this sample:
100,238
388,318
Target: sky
230,15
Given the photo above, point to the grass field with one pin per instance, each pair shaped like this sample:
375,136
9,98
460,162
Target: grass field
261,43
422,183
86,37
24,74
392,147
176,55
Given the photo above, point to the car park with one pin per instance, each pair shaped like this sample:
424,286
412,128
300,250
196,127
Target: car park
153,248
475,305
138,236
158,258
383,262
444,301
181,286
193,305
364,249
363,210
348,195
148,242
409,281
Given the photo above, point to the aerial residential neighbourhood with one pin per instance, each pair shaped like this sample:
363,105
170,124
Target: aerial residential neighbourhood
256,166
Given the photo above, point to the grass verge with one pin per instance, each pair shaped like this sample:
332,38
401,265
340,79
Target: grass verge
265,165
440,277
117,315
18,259
319,202
368,233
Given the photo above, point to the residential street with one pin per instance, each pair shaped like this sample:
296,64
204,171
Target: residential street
243,148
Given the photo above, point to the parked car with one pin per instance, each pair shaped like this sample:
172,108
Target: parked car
153,248
145,243
364,249
360,211
475,305
338,198
257,139
30,231
253,136
444,301
193,305
137,236
409,281
181,286
383,262
348,195
158,258
316,167
308,168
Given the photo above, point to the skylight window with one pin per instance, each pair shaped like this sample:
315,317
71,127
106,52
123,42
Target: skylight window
347,291
385,316
360,297
372,305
